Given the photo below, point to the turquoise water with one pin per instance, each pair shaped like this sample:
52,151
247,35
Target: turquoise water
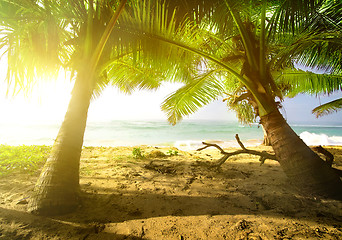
162,133
187,133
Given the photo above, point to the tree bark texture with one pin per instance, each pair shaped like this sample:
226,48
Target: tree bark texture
266,141
302,166
57,189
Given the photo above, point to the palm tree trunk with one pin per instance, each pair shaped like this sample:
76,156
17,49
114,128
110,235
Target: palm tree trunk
266,141
57,189
303,167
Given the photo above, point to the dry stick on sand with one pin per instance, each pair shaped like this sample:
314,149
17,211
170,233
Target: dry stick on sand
329,158
263,155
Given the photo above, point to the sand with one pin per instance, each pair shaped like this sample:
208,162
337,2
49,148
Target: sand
175,197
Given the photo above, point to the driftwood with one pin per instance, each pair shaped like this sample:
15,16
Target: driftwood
263,155
329,158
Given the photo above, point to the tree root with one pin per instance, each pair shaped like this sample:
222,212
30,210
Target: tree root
329,158
263,155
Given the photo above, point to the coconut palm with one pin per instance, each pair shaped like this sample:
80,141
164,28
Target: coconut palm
73,36
39,38
241,41
317,48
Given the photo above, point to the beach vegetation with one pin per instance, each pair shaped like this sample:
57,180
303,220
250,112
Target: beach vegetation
28,159
172,152
137,153
328,108
319,47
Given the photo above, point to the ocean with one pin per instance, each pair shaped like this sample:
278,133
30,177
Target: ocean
186,135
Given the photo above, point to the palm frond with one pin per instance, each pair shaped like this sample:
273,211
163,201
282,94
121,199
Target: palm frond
31,37
147,19
128,77
189,98
318,44
183,47
328,108
293,82
239,102
315,50
290,16
328,17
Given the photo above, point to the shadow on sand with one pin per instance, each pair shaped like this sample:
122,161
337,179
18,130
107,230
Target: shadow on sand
177,191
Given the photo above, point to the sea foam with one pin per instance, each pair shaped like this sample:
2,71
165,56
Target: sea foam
320,139
194,145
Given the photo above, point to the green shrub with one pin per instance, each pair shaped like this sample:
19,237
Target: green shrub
172,152
137,153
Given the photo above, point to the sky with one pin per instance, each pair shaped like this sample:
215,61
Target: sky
48,104
298,109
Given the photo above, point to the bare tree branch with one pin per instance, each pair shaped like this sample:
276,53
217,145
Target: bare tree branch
263,155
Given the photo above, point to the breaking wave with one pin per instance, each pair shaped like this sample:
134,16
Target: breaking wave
320,139
187,145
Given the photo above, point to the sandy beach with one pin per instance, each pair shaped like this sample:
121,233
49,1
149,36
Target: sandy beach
174,194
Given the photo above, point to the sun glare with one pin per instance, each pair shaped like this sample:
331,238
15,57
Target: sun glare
47,102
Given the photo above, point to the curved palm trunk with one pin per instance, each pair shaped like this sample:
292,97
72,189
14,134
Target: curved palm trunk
57,189
303,167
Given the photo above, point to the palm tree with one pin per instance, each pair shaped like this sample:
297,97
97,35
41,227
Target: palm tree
39,38
86,38
318,47
36,31
241,41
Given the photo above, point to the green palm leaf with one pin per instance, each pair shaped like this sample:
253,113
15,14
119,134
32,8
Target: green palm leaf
241,104
318,45
290,16
147,29
189,98
294,82
328,108
319,50
128,77
30,41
